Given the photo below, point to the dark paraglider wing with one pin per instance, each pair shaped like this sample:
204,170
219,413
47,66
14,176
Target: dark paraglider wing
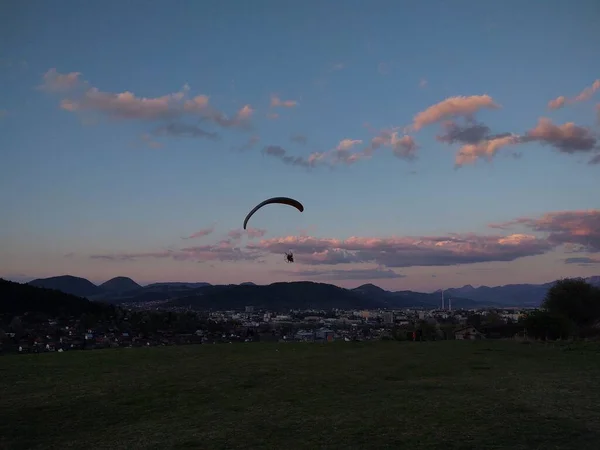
281,200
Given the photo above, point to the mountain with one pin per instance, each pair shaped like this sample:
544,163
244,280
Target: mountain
297,295
17,298
68,284
411,299
119,284
176,285
510,294
277,297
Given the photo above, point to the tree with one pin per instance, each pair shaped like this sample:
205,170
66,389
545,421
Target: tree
542,324
575,299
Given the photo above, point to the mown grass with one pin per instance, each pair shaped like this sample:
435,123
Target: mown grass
381,395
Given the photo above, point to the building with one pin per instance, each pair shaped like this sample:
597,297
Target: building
325,334
250,309
467,333
388,317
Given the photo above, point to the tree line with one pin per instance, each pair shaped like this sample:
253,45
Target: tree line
571,308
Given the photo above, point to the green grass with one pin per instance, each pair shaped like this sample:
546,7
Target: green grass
382,395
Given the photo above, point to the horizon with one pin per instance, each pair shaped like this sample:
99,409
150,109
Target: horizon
462,155
145,283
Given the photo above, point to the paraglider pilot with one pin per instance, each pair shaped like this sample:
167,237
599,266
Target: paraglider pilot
289,257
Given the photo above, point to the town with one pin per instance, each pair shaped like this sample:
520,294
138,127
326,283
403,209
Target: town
154,324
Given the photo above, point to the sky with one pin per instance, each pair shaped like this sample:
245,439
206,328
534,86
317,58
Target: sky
433,144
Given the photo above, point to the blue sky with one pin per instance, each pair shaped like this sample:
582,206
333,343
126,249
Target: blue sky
87,181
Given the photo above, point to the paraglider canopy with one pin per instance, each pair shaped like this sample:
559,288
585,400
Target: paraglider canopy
282,200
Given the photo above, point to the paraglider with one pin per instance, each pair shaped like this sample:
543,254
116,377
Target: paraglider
282,200
289,256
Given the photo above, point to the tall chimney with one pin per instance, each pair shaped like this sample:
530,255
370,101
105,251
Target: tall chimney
450,304
442,299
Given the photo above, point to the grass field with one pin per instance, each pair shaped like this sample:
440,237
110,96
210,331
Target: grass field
379,395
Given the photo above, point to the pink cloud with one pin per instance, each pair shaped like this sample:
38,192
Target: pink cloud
580,227
148,141
54,81
223,250
347,144
579,230
252,233
272,116
201,233
567,138
557,103
280,153
584,95
403,147
127,106
469,153
459,106
451,249
277,102
249,144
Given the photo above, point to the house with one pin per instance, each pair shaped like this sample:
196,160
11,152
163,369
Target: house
470,333
325,334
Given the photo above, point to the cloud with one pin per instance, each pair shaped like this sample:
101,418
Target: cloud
277,102
579,227
280,153
3,113
468,248
472,133
582,261
469,153
201,233
453,107
249,144
148,141
557,103
185,130
584,95
403,147
422,83
351,274
272,116
222,251
347,144
252,233
567,138
577,230
54,81
299,139
83,97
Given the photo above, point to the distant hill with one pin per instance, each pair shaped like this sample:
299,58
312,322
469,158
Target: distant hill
510,294
120,284
17,298
68,284
297,295
277,296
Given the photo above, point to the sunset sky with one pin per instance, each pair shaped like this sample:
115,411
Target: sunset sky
432,143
